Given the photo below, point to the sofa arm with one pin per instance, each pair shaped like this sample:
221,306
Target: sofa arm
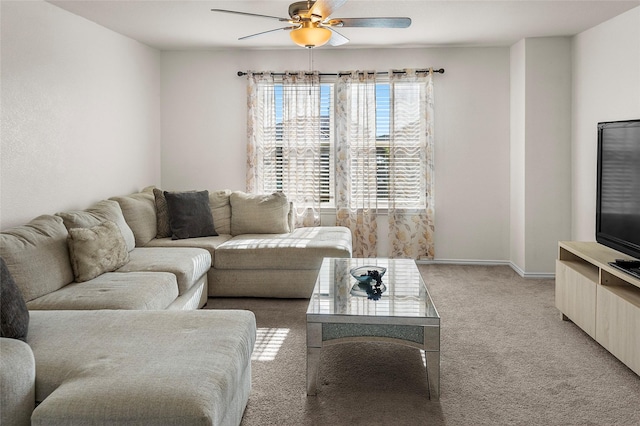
17,382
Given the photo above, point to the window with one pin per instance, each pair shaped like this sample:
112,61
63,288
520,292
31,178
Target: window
406,188
326,129
360,143
383,112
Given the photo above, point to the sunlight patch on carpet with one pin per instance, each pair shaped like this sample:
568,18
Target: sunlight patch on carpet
268,343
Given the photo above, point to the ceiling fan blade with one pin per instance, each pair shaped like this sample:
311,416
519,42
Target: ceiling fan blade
250,14
325,8
337,39
268,31
371,22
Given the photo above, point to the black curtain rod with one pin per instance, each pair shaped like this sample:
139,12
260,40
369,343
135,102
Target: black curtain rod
338,74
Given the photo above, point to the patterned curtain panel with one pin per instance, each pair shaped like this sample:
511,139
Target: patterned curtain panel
261,132
284,137
411,209
355,175
301,140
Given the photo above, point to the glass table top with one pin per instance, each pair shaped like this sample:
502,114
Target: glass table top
338,293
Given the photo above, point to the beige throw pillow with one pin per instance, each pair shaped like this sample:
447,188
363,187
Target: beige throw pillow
96,250
221,210
259,213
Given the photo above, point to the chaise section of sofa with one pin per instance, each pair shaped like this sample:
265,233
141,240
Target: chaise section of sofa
276,265
135,367
129,367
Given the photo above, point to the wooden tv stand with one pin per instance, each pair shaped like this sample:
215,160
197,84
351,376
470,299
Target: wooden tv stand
600,299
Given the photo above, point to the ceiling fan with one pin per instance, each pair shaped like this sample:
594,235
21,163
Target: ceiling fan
311,25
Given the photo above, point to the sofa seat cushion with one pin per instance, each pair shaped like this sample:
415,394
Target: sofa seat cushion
208,243
187,264
133,367
304,248
113,290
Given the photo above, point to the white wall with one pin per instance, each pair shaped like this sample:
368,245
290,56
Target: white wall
547,150
540,152
204,129
517,159
606,87
80,112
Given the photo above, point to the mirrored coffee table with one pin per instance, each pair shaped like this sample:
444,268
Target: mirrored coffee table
339,312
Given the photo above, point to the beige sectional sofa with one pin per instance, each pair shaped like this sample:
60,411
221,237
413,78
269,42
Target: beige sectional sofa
115,335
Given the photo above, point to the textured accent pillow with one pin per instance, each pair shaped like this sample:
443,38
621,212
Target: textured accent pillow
163,224
259,213
14,315
105,210
96,250
189,214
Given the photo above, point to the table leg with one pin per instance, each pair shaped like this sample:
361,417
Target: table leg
314,347
313,361
433,374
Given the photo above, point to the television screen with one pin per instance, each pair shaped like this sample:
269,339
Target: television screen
618,191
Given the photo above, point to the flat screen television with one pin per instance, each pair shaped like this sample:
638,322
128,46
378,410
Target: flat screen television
618,190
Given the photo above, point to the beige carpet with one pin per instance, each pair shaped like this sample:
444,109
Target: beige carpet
506,358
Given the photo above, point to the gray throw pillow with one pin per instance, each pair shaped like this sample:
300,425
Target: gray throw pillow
14,315
96,250
162,214
189,214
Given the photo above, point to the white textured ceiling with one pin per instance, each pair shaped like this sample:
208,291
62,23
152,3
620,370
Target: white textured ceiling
180,25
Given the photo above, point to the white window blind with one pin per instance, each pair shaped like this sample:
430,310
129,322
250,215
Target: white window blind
407,145
302,142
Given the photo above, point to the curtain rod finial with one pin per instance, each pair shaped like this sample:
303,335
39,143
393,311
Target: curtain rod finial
240,73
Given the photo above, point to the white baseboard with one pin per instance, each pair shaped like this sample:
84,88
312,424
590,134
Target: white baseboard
463,262
519,271
538,275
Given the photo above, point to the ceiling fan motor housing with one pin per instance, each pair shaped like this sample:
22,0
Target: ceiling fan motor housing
300,9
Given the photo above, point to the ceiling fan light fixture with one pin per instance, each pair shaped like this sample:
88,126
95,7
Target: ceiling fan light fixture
310,35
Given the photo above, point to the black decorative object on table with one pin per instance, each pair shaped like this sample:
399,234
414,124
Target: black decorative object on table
369,282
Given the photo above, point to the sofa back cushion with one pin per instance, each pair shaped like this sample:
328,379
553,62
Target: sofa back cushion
220,205
259,213
37,256
139,211
105,210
